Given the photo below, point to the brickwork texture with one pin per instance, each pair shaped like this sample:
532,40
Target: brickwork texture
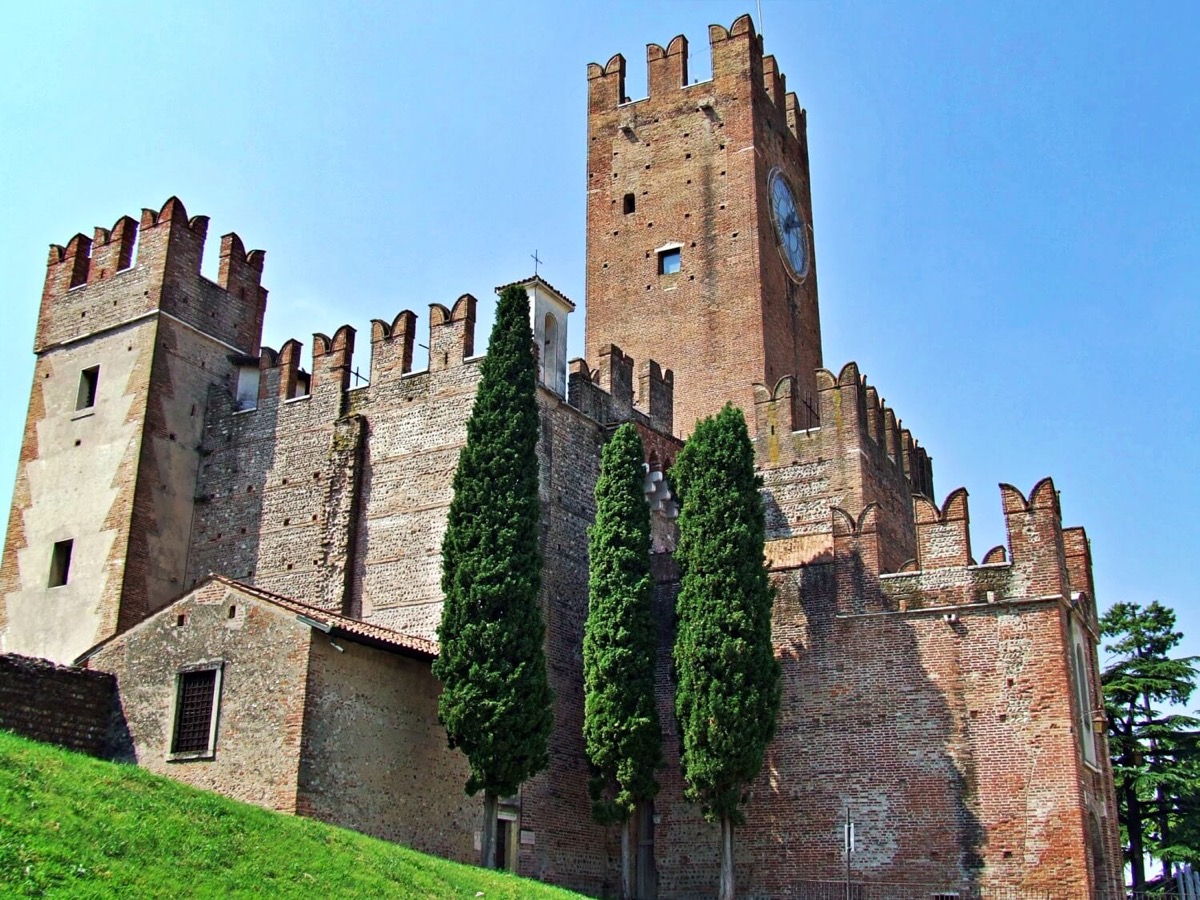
934,696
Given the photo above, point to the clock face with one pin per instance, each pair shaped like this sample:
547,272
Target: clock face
790,227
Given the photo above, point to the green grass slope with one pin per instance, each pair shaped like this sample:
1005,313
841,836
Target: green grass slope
73,826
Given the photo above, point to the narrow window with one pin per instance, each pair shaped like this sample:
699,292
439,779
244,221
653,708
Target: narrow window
669,261
195,712
247,387
550,353
630,203
60,563
89,380
1083,696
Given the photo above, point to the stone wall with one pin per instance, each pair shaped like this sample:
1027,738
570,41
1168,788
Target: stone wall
61,705
339,497
263,655
568,847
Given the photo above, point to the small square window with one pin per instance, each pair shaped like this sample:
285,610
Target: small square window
60,563
669,261
89,381
197,694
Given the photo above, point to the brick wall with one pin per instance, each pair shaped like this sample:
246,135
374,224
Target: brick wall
61,705
857,455
955,742
696,160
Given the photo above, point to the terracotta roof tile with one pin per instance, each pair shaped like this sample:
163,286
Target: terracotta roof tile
540,280
344,624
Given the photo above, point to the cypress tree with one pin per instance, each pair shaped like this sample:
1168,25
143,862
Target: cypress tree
620,727
496,700
728,680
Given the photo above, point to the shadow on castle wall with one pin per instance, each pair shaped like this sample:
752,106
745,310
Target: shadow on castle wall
864,730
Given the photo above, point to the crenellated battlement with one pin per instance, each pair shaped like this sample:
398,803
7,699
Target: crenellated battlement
737,54
943,535
1046,562
392,345
451,333
281,376
1051,560
112,249
606,393
667,70
137,267
846,408
333,360
240,272
1035,536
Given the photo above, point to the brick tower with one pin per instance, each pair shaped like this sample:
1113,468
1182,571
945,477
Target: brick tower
689,260
127,347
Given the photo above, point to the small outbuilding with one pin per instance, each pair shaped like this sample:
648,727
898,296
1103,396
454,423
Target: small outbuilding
294,708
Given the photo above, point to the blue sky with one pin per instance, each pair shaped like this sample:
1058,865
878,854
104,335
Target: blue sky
1005,198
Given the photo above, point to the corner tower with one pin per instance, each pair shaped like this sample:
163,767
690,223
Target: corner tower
699,236
128,344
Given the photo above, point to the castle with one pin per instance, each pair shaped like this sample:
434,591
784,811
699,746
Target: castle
251,548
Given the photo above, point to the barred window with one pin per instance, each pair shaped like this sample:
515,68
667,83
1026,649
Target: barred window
195,712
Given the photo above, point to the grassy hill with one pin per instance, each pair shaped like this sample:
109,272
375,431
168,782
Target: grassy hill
73,826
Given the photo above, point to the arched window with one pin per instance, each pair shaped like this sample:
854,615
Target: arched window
550,353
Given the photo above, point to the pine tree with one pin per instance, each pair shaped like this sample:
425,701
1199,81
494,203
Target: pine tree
728,680
496,700
1156,766
620,727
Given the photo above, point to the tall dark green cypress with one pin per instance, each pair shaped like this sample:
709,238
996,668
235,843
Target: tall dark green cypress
728,680
620,726
496,700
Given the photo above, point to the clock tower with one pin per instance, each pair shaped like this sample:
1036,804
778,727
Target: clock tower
699,225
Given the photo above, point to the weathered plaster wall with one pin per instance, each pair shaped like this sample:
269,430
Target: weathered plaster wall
75,481
119,478
375,757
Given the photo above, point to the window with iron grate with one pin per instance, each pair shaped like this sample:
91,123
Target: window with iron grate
195,713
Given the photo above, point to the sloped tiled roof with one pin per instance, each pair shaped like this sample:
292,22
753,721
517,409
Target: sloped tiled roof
352,628
538,279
